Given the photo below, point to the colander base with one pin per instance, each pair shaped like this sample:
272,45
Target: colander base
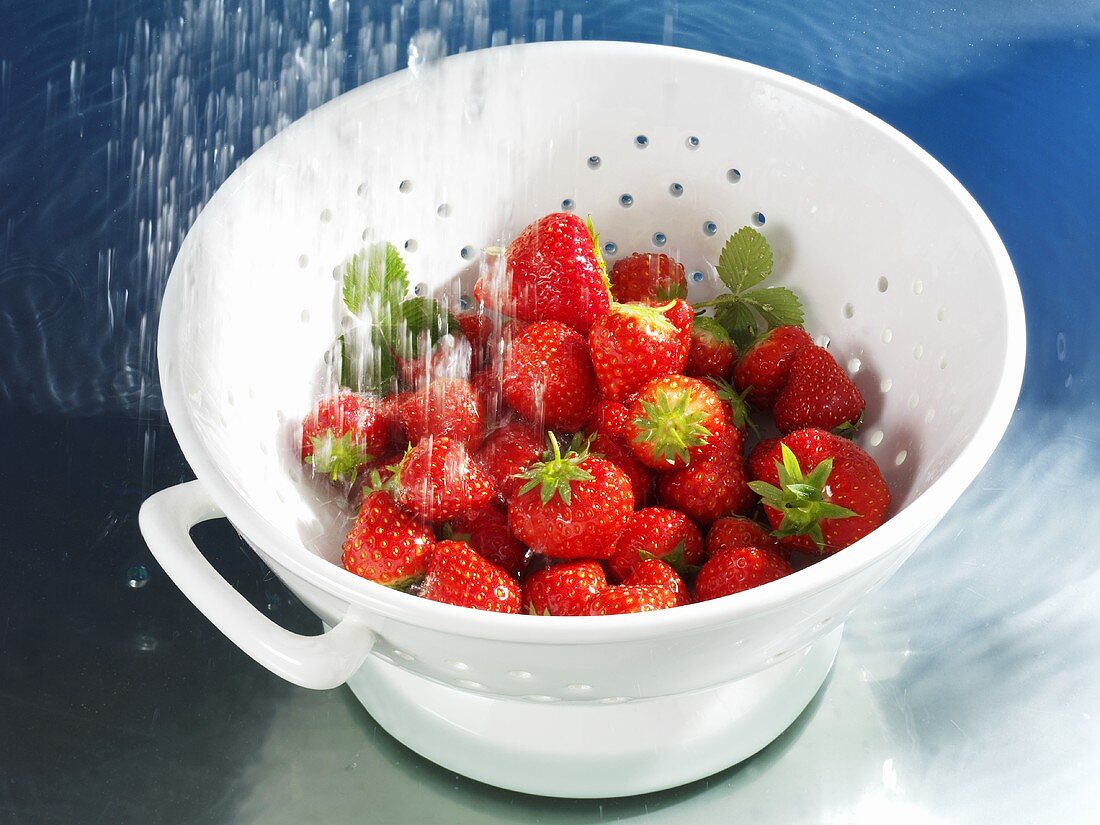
593,749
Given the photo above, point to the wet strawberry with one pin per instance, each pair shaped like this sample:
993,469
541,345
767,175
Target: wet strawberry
712,486
437,480
631,345
712,353
487,531
571,506
386,544
631,598
672,421
821,492
508,451
818,393
655,532
555,272
343,434
564,589
457,575
764,367
648,277
738,531
477,327
615,450
548,377
445,406
657,573
735,569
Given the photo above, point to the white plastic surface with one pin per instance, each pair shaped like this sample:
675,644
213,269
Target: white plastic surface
899,268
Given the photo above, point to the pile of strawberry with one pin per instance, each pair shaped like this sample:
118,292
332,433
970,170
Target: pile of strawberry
581,445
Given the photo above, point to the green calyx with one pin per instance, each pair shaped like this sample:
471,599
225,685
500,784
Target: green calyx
337,457
555,473
652,318
675,560
599,255
739,407
800,498
670,428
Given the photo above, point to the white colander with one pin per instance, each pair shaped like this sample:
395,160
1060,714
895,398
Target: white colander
668,148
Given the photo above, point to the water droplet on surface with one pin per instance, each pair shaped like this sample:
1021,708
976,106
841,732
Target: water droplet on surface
137,576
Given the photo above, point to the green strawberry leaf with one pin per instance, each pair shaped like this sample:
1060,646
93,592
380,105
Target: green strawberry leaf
738,319
776,304
745,261
711,328
375,279
423,316
367,363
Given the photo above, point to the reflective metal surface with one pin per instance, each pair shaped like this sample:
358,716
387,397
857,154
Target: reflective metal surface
967,688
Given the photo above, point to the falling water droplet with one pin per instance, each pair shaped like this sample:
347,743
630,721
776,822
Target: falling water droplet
137,576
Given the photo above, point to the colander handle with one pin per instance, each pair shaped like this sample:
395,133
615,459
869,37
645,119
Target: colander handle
319,662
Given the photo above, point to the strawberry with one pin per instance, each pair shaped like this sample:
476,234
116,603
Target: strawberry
477,327
344,433
656,533
548,377
450,358
615,450
682,316
459,576
673,419
657,573
841,499
733,569
818,393
712,352
508,451
564,589
632,344
386,544
609,418
490,395
764,366
556,274
571,507
631,598
738,531
713,486
487,531
444,406
438,480
648,276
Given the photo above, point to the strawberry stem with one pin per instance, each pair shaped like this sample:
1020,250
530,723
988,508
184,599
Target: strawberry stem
555,473
337,457
800,498
669,428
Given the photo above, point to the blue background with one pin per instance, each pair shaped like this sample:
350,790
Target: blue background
967,687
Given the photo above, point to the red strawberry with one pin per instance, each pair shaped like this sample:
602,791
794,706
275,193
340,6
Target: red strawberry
609,418
656,573
733,569
682,316
457,575
344,433
386,544
841,498
633,344
765,365
477,327
450,358
818,393
443,406
556,274
655,532
616,451
508,451
631,598
438,480
713,486
564,589
571,507
490,395
648,276
673,419
738,531
712,352
487,531
548,376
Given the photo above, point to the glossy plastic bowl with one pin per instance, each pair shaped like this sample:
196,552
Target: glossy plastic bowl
897,264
